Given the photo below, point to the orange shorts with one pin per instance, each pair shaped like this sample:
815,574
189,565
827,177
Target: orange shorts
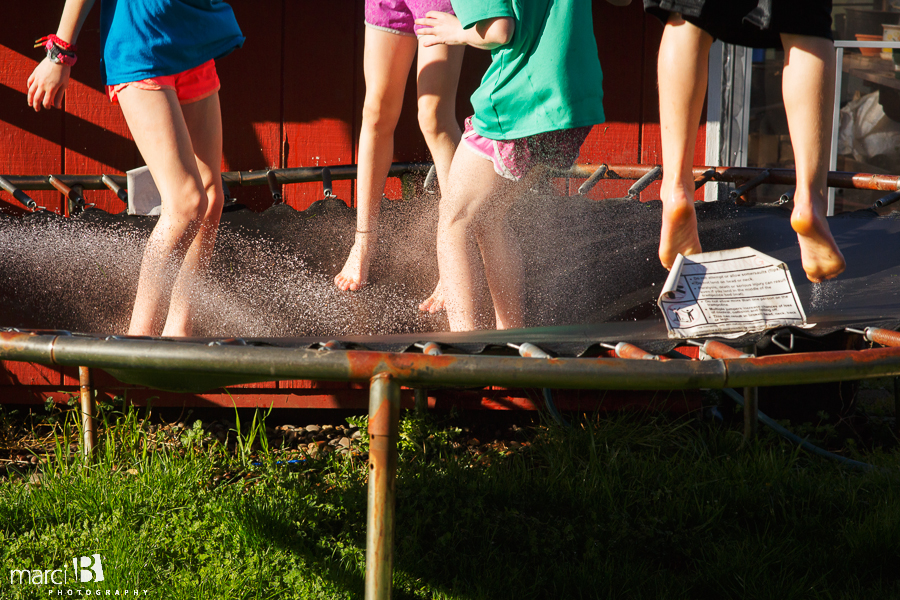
190,86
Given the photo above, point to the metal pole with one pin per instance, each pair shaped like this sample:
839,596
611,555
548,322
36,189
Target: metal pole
384,417
751,412
897,406
88,410
751,405
421,396
837,179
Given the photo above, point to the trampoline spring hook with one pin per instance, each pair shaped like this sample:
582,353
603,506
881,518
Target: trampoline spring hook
785,197
634,192
274,187
595,177
327,187
789,347
19,195
887,200
429,180
737,192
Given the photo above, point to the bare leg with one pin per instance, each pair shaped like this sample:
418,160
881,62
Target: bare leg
386,62
683,70
472,211
808,88
437,78
157,123
204,122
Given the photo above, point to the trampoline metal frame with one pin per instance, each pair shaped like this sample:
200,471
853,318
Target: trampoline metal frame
386,372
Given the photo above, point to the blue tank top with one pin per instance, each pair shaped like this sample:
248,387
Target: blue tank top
141,39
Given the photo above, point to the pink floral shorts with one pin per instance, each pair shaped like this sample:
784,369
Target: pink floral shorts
513,159
399,16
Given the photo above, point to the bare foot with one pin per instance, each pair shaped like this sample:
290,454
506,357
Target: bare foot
679,227
435,302
822,259
356,270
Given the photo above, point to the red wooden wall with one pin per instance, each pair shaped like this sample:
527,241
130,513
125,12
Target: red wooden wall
291,97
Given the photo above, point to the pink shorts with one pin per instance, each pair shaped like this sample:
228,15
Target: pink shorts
190,86
398,16
513,159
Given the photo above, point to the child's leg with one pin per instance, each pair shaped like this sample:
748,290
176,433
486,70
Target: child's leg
682,67
386,61
157,124
204,123
808,88
472,210
437,78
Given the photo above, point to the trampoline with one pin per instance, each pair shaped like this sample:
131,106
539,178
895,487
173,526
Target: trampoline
592,280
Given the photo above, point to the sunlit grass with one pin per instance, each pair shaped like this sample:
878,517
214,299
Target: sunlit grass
628,506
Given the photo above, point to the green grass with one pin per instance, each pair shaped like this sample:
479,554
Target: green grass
633,506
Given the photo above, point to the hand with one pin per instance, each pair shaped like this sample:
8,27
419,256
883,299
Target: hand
441,28
47,85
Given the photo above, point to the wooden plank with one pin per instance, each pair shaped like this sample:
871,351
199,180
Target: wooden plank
251,95
678,402
321,93
30,143
97,139
29,374
650,143
619,34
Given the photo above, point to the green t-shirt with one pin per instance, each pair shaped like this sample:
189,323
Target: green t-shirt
547,78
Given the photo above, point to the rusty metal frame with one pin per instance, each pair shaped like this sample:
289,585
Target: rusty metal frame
838,179
386,371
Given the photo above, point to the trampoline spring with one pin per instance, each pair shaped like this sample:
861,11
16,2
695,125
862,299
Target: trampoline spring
887,200
18,194
327,186
429,348
634,192
529,350
227,198
630,351
73,195
786,197
115,188
714,349
707,176
330,345
236,341
591,181
274,187
879,335
737,192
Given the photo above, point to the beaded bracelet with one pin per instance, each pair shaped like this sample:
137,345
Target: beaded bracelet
58,50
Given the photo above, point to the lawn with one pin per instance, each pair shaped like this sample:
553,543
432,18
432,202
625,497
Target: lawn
634,505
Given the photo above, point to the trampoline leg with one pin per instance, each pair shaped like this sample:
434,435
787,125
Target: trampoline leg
384,417
751,412
751,405
421,396
897,405
88,410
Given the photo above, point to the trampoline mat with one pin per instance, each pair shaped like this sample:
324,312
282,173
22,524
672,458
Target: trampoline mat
591,274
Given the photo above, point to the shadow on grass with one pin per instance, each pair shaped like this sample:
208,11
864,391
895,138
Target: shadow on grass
621,511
